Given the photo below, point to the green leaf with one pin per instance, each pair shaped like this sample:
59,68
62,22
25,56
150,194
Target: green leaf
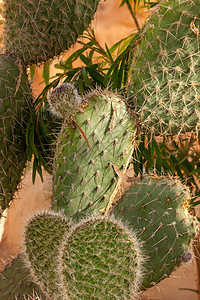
46,72
85,60
32,142
98,78
32,71
85,77
36,168
108,52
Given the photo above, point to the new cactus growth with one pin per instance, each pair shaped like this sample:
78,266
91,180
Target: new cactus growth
16,283
65,101
157,208
37,31
43,236
100,259
15,108
98,137
164,85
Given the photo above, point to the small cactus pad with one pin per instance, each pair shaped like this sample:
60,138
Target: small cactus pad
37,31
64,101
15,282
164,85
157,208
100,259
15,109
43,236
99,136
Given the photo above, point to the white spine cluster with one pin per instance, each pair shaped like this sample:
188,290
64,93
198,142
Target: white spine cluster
65,101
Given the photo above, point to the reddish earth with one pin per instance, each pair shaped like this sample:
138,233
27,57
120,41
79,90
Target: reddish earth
111,24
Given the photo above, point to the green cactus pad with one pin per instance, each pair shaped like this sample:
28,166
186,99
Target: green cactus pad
100,137
100,259
164,85
156,207
43,236
37,31
15,109
15,282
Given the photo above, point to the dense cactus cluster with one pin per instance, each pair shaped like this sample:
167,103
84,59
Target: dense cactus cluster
99,241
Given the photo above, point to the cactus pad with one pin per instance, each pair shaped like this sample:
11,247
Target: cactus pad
157,208
43,236
15,282
37,31
164,86
83,175
15,108
100,259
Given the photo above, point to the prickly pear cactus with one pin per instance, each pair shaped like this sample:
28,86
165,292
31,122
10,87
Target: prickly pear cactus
164,85
100,259
15,282
15,108
157,208
98,137
37,31
43,236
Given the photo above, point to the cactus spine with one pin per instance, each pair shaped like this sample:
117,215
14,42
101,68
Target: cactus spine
164,85
157,208
99,137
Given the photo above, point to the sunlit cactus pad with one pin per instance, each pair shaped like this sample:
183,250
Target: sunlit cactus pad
16,283
157,208
15,109
164,85
43,236
39,30
100,259
100,137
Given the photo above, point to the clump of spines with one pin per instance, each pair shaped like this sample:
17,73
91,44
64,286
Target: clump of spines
42,238
87,149
157,208
37,35
64,101
100,258
164,85
15,109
